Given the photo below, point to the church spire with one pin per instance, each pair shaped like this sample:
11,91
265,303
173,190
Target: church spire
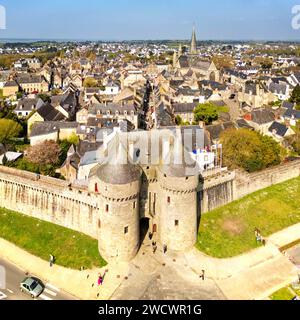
194,42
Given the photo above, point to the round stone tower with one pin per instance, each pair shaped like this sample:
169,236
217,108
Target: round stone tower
178,207
118,186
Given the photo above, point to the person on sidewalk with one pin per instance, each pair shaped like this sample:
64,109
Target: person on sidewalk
51,261
100,280
165,249
203,275
154,247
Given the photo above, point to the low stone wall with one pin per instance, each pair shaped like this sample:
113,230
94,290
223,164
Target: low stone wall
248,183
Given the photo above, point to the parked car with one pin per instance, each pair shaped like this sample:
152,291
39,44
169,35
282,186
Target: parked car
32,286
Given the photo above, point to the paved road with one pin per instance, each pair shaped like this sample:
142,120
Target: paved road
12,292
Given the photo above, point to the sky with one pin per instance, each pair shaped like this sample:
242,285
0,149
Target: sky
149,19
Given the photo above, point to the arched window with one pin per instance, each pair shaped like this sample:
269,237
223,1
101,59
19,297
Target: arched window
169,200
96,187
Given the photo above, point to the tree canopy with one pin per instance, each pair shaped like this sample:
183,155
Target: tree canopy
295,96
206,112
90,83
45,153
9,129
249,150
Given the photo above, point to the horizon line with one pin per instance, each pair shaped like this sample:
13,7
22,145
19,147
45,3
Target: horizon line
145,40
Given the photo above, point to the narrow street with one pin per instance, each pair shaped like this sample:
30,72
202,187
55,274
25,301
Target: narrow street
12,292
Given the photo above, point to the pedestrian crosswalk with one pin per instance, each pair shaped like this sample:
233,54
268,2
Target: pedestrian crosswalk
49,293
2,296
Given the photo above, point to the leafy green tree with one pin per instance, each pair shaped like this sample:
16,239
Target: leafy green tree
73,139
206,112
249,150
179,120
9,129
90,83
295,96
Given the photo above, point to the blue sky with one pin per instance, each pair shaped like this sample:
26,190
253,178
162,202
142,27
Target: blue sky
150,19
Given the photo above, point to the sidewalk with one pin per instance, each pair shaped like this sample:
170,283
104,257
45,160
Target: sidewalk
81,284
253,275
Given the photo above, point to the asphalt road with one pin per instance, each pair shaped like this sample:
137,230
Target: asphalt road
12,292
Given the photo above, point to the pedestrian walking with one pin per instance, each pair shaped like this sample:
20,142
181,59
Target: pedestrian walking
51,261
154,247
165,249
100,280
203,275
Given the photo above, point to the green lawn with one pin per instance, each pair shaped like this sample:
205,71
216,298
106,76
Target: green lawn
229,231
283,294
71,249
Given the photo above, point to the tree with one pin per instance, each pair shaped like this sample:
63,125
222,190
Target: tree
206,112
90,83
223,61
45,153
295,96
249,150
294,140
73,139
9,129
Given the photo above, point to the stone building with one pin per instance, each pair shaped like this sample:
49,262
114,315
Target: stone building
124,200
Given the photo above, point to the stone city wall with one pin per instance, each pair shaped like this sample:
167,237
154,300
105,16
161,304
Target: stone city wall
248,183
49,199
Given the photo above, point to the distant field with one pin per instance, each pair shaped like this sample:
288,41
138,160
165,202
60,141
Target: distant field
229,231
70,248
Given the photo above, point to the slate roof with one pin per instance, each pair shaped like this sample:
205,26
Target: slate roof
279,128
41,128
287,105
262,116
29,104
11,84
164,116
49,113
292,113
216,129
184,107
278,88
112,107
243,124
184,62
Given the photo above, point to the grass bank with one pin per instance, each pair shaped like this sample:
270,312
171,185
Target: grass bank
229,231
71,249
